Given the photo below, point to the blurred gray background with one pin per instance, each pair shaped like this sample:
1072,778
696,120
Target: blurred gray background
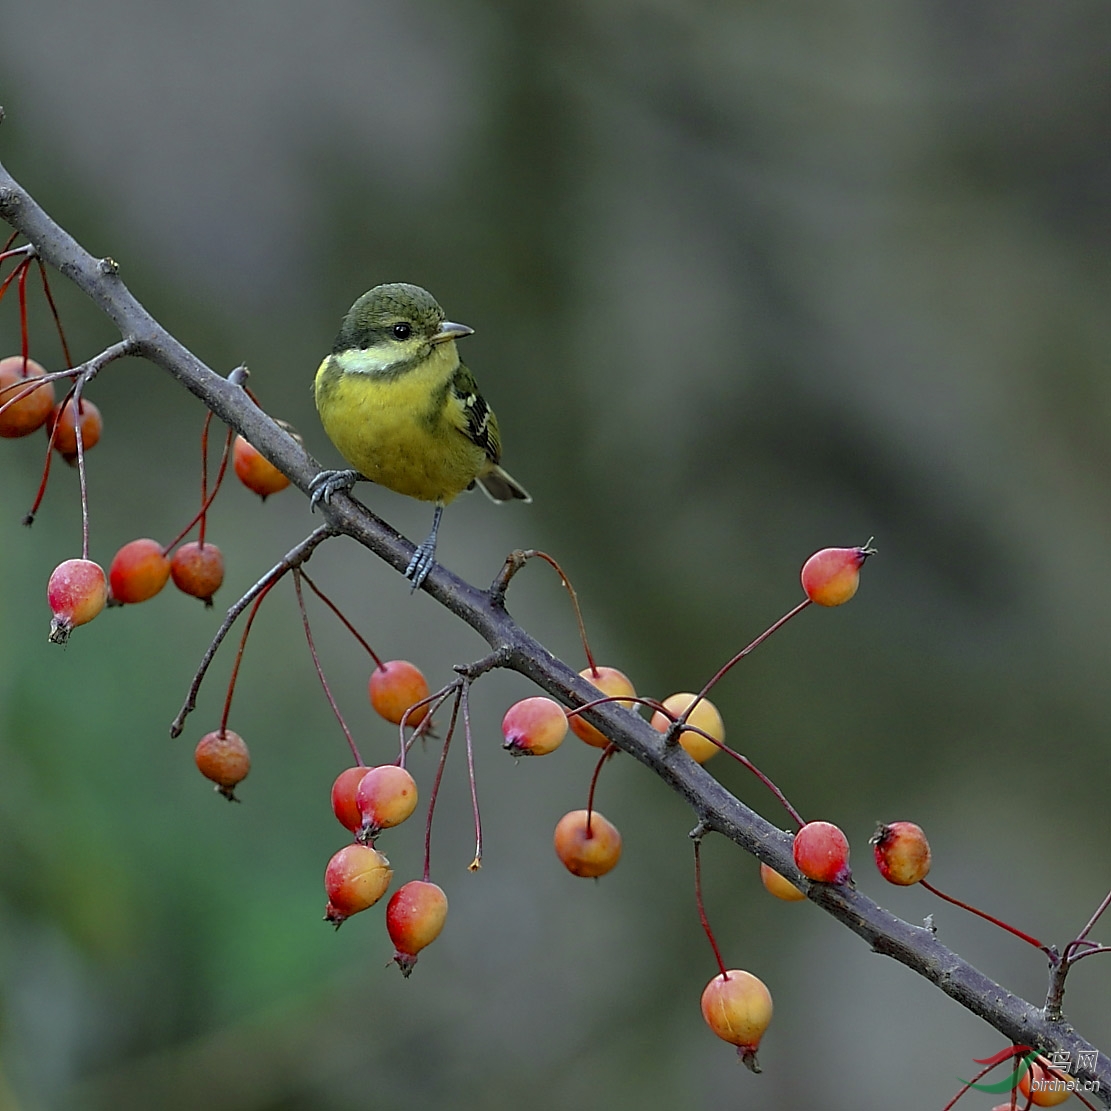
747,280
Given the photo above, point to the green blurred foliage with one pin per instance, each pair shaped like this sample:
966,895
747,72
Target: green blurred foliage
748,280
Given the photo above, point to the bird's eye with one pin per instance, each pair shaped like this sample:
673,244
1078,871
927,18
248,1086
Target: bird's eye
402,331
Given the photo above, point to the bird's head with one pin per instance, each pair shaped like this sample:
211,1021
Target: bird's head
392,328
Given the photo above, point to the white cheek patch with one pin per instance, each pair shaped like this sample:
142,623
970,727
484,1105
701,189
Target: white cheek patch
372,360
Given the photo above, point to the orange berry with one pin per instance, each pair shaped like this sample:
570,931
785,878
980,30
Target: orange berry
344,804
198,570
222,756
705,716
65,439
386,796
902,852
356,878
779,886
830,577
394,687
609,682
738,1008
22,417
534,726
415,916
1044,1085
587,853
255,471
139,570
77,592
821,852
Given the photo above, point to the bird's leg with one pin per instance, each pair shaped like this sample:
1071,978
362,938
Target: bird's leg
425,555
327,483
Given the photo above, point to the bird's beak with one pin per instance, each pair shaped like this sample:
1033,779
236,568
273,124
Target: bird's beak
448,330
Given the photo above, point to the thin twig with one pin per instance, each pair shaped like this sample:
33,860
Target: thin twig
293,558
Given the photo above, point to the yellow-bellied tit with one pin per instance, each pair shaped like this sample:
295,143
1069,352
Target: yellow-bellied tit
405,412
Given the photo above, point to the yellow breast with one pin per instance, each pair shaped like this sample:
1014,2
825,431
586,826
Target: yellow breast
396,431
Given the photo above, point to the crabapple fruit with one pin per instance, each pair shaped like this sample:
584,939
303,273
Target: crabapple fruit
588,844
830,577
902,852
255,471
385,796
821,852
222,756
394,688
738,1008
22,417
780,886
356,878
534,726
198,569
63,426
139,570
415,915
609,682
704,716
77,592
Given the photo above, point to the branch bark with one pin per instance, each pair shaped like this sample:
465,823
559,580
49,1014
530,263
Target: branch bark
914,946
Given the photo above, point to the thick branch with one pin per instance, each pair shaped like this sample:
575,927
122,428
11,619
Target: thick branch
914,946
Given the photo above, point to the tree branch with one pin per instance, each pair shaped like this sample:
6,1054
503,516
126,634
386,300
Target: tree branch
914,946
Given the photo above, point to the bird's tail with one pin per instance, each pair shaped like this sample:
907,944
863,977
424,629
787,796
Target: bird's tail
499,485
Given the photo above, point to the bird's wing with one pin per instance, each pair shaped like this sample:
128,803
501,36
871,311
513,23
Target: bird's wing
476,419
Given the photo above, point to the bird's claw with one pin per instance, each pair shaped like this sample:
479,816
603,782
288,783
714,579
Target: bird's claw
327,483
421,563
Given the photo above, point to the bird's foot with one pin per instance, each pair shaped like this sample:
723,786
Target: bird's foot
327,483
421,563
425,555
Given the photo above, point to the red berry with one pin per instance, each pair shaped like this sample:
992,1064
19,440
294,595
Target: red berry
1044,1085
534,727
584,853
22,417
902,853
255,471
222,756
344,804
65,438
394,687
415,916
198,569
609,682
356,878
821,852
139,570
76,592
779,886
705,716
738,1008
830,577
386,796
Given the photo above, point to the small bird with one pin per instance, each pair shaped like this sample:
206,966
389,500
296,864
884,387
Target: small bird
405,412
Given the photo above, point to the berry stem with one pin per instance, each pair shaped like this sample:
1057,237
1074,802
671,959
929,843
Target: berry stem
319,670
293,558
989,918
82,483
609,751
206,501
464,701
54,312
239,655
347,624
701,905
513,563
435,792
29,519
24,337
722,671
